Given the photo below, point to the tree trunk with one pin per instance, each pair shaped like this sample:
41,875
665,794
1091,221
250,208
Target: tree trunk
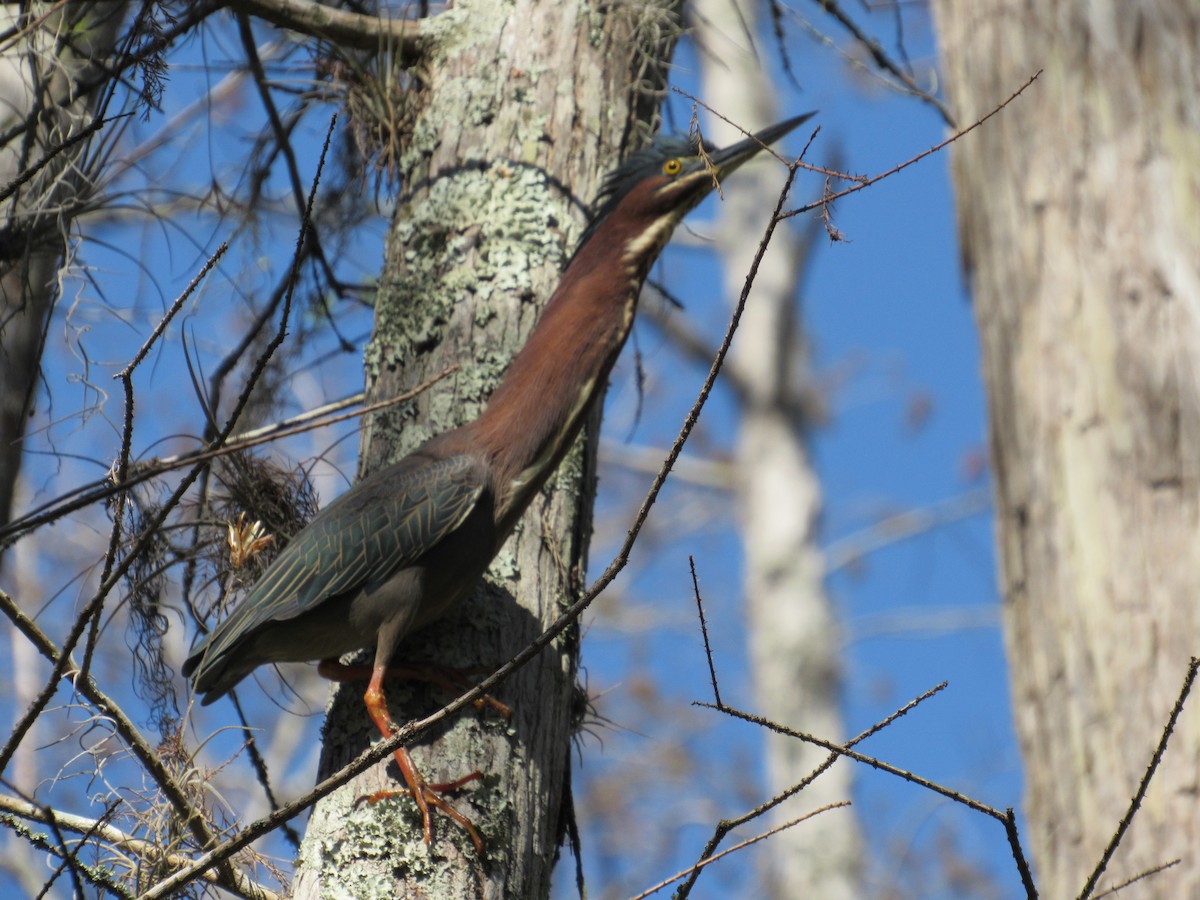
793,633
1079,210
522,105
46,54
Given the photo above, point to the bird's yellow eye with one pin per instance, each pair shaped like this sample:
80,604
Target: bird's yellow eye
672,167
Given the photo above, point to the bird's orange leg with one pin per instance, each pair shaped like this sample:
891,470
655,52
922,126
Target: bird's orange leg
342,673
452,681
425,795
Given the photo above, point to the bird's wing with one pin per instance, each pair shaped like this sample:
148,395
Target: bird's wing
382,524
368,541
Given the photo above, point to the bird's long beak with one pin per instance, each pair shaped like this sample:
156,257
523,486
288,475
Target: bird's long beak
728,159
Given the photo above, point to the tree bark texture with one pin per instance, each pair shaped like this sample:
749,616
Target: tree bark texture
793,633
522,106
51,60
1079,212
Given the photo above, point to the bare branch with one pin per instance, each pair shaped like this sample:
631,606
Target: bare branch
867,182
900,527
338,26
727,825
1006,818
712,669
1188,680
1136,878
117,838
96,491
881,59
709,860
192,817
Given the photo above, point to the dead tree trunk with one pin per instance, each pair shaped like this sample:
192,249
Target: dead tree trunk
518,107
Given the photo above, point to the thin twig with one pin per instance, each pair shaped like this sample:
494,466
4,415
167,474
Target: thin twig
1006,818
1014,846
903,525
708,861
94,492
90,615
712,671
881,59
83,134
121,473
1136,803
1136,878
100,878
70,856
694,128
282,142
727,825
259,764
110,834
112,72
115,715
874,763
861,183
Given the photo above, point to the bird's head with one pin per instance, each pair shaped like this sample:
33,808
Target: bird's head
644,198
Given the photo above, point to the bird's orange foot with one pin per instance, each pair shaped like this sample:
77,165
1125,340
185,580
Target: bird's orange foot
427,797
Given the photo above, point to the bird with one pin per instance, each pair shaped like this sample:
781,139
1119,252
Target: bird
404,545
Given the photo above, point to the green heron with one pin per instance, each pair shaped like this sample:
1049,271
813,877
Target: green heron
400,548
